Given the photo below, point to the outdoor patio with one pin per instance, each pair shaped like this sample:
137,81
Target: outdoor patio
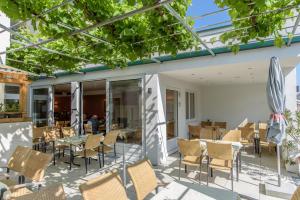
254,171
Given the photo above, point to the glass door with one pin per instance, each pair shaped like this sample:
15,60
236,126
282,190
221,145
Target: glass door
40,106
125,113
171,118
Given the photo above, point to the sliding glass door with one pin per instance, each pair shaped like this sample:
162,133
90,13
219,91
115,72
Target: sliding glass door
40,106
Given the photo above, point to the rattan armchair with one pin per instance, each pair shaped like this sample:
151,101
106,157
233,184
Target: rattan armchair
205,124
51,134
33,170
233,136
296,194
192,153
91,149
194,131
109,143
16,163
143,178
108,186
264,143
222,125
219,157
37,137
87,129
53,192
247,133
207,133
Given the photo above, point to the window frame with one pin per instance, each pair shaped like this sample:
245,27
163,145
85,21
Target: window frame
188,102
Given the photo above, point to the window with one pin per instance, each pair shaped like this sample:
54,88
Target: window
190,105
10,98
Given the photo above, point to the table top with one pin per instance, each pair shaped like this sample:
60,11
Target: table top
187,191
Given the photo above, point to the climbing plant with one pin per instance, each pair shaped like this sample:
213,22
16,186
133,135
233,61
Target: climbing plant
257,20
115,44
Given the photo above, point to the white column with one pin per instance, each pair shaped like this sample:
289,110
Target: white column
155,121
50,106
75,106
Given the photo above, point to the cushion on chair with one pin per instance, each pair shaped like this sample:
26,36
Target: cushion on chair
191,160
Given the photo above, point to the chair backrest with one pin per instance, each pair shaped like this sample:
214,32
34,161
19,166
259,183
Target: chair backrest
189,147
38,132
296,194
51,134
67,131
233,136
93,141
206,133
217,150
53,192
222,125
88,129
111,137
18,158
194,131
205,124
36,165
143,178
104,187
250,125
60,124
247,132
262,129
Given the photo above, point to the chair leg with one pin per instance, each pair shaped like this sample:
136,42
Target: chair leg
231,178
89,161
115,152
179,167
207,171
86,164
63,153
185,168
200,172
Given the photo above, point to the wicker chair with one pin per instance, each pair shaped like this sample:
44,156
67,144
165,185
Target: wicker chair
262,130
50,136
296,194
205,124
34,170
37,137
53,192
16,163
233,136
60,124
109,143
219,157
143,178
207,133
87,129
194,131
192,153
222,125
91,149
107,186
247,135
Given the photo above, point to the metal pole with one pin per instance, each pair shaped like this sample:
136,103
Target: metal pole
124,164
278,165
187,27
294,30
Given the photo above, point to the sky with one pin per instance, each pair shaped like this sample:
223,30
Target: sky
200,7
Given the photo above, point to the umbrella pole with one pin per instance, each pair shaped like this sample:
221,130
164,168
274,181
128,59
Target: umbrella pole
278,165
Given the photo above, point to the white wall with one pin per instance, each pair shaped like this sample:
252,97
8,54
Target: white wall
180,86
5,36
235,103
12,135
290,88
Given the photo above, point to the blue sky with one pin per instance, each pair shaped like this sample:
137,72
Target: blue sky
200,7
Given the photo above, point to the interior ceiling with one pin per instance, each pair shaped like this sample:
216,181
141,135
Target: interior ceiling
250,72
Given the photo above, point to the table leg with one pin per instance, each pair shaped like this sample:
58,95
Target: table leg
70,167
237,166
102,154
240,161
53,149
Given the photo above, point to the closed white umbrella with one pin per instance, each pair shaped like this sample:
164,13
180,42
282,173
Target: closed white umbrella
276,101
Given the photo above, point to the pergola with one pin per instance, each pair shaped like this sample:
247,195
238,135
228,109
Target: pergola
207,45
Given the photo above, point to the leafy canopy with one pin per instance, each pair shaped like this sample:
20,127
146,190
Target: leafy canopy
257,20
134,38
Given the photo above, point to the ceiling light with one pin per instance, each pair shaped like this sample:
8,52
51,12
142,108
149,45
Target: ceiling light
193,74
250,68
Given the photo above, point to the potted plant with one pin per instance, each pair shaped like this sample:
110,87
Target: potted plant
291,145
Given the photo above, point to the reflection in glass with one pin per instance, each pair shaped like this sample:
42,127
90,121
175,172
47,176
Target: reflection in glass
172,113
40,106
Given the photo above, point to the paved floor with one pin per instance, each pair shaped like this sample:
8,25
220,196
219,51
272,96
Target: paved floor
255,170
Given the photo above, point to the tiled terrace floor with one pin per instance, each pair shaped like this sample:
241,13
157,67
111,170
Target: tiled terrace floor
247,186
